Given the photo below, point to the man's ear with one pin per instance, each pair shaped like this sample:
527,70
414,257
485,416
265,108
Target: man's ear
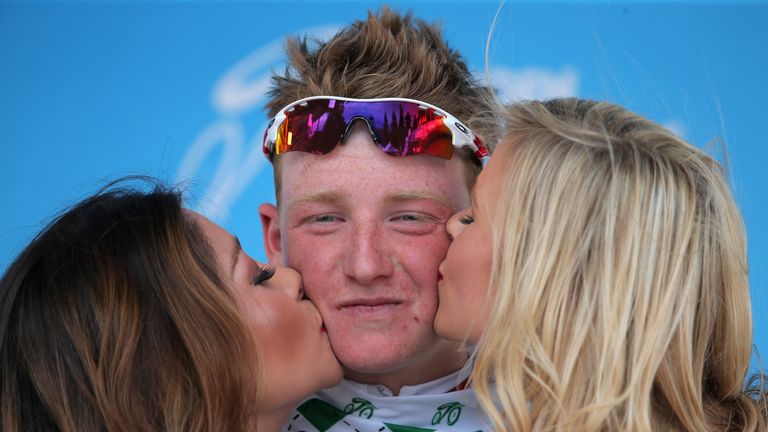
270,226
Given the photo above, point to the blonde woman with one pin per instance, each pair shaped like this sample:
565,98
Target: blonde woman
602,273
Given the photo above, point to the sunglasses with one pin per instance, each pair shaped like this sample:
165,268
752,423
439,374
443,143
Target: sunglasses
399,127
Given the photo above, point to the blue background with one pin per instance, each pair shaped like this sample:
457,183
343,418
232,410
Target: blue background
92,91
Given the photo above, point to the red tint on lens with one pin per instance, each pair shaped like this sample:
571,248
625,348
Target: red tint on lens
315,127
432,138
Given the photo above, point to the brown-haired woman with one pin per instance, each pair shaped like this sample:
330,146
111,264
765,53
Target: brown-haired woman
129,313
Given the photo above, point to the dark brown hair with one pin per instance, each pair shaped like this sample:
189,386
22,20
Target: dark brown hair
387,55
114,318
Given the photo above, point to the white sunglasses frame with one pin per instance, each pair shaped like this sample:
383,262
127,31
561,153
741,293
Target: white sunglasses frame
461,136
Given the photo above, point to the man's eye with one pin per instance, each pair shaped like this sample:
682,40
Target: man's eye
265,274
414,223
322,223
323,219
411,218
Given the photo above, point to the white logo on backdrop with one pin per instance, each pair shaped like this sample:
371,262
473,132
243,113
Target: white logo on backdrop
676,126
534,83
538,83
240,90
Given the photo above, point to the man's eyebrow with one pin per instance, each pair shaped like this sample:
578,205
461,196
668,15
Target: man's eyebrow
336,198
420,195
320,197
235,255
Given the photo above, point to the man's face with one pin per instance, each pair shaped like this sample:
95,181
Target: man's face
367,232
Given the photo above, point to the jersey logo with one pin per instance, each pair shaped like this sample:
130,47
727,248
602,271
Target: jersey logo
364,408
450,411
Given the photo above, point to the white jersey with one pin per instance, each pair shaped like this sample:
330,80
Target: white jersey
356,407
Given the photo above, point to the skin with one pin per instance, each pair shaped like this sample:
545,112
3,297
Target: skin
465,301
294,347
367,232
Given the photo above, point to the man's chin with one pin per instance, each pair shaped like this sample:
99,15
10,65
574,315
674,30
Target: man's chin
365,369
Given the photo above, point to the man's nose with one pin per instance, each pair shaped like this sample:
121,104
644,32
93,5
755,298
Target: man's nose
368,257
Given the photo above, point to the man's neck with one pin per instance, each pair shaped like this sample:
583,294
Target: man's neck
443,359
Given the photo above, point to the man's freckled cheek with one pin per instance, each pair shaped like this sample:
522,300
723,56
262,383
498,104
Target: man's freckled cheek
426,252
317,270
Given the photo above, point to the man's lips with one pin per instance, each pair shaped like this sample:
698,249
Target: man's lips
371,308
369,303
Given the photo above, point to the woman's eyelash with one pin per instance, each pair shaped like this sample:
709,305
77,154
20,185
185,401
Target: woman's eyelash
265,273
466,219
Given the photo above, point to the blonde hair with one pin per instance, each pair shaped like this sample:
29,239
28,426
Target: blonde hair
621,299
387,55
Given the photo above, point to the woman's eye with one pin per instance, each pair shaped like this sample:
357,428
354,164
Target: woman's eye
466,219
265,273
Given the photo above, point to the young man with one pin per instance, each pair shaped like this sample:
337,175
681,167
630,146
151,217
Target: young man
363,191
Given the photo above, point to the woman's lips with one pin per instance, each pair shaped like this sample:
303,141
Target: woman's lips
440,273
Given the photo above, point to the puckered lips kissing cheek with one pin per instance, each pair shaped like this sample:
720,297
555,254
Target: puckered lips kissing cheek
441,280
322,321
312,310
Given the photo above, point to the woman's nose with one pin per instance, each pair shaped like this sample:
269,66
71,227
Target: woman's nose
454,226
289,280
